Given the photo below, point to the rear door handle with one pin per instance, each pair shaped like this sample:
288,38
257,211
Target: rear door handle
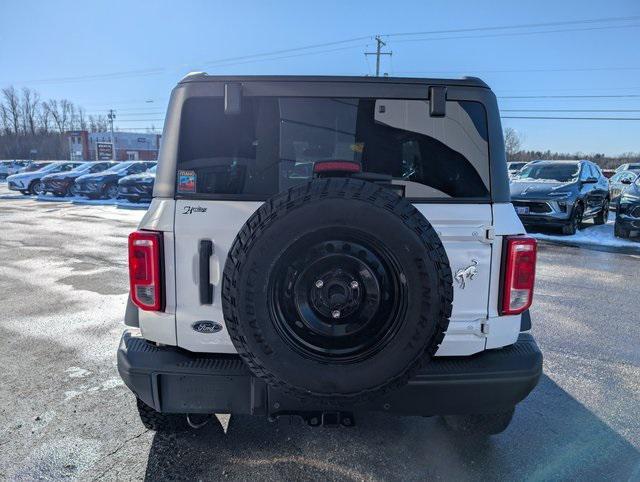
205,251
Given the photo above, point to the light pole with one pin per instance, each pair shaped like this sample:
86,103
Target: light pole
111,116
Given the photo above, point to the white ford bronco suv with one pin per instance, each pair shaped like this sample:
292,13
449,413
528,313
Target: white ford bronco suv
324,247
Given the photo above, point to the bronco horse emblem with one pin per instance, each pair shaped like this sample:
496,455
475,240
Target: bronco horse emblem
465,274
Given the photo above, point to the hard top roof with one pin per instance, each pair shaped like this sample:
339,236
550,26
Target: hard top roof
204,77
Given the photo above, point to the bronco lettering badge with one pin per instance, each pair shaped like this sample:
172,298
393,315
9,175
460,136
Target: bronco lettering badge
206,327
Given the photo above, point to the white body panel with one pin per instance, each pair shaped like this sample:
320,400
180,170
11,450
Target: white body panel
470,233
220,223
155,325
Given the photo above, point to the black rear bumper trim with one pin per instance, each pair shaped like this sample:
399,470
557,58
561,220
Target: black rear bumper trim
174,380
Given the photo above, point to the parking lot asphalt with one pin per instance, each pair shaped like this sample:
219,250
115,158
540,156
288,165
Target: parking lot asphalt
64,412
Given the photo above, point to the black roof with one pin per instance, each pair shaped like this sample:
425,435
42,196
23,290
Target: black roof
204,77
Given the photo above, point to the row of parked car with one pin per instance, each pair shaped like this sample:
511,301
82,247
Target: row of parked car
132,180
564,194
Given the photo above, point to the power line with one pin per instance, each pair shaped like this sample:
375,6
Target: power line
522,25
231,61
282,51
105,76
142,120
127,114
255,58
512,34
431,32
509,71
232,64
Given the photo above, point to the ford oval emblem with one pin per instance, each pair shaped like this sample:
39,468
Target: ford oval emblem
206,327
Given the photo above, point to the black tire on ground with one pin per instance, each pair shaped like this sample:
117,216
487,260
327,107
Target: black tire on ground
603,216
575,221
479,424
619,231
345,246
35,188
160,422
110,191
71,191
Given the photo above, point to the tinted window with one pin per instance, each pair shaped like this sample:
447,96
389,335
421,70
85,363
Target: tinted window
274,142
137,168
618,177
120,166
36,166
87,167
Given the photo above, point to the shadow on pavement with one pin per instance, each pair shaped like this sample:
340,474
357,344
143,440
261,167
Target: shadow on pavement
553,436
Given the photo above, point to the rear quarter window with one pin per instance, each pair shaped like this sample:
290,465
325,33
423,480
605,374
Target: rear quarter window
273,143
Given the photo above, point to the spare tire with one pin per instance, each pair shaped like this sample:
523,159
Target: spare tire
337,291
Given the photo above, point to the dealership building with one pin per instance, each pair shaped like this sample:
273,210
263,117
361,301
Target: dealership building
129,146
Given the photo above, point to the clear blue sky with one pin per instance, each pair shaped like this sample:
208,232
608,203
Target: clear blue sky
55,47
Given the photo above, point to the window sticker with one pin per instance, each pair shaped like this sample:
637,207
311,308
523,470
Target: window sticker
186,181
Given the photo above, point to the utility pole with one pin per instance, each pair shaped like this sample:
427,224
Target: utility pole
378,53
111,116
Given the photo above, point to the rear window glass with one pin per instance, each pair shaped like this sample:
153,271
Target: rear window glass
274,142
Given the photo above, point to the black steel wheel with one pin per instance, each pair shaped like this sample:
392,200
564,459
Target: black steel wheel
340,299
336,291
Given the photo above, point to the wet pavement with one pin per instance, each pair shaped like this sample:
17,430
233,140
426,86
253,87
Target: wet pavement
64,412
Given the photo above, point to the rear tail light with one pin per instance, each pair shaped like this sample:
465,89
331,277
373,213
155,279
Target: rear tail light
518,274
145,278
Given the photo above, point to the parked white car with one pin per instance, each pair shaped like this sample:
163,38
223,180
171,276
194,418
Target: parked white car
7,168
30,182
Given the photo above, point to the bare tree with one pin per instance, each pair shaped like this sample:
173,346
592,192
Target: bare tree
43,118
30,105
67,110
97,123
512,141
4,118
82,120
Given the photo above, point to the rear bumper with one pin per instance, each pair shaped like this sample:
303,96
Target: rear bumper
173,380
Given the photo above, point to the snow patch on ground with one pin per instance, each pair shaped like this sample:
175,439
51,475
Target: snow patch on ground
591,235
120,203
